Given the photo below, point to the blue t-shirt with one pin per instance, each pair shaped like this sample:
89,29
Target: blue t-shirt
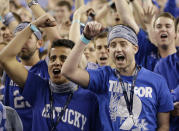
150,95
169,68
14,99
171,7
81,114
147,56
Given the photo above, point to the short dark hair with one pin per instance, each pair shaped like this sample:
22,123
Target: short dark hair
176,23
100,36
63,42
65,3
164,14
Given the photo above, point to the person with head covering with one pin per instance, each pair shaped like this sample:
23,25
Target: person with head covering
26,51
57,104
133,97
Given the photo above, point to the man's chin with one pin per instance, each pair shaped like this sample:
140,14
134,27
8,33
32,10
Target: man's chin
58,80
164,46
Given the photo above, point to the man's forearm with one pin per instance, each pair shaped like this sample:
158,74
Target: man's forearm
15,45
163,128
52,32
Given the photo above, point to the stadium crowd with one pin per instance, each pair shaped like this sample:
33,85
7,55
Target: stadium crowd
89,65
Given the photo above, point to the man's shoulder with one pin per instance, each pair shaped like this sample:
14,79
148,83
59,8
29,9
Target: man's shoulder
40,63
85,94
150,75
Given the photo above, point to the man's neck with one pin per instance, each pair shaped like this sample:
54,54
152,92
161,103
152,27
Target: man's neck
169,51
129,71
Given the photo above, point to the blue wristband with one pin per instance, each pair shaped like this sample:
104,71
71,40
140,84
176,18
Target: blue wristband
0,18
36,31
78,21
84,39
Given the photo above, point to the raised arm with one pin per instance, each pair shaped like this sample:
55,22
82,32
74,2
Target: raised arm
78,4
52,32
13,68
149,14
74,33
70,68
126,14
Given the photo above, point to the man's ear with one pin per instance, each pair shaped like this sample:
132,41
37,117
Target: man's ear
39,43
136,48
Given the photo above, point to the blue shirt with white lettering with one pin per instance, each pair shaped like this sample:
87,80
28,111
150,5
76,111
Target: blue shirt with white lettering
169,68
14,99
150,95
81,114
147,56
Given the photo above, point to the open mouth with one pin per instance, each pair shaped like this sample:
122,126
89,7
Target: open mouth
103,58
120,57
56,71
117,19
163,36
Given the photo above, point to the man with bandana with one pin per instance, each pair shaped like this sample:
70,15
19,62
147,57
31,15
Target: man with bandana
28,55
133,97
57,103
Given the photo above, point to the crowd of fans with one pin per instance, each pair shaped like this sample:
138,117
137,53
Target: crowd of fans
86,65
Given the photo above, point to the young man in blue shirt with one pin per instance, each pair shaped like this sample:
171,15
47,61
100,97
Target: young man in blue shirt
57,103
169,68
163,30
145,106
29,57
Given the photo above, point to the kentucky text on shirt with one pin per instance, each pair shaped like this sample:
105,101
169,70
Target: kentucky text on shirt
71,117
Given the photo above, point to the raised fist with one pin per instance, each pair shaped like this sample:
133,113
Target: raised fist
92,29
45,21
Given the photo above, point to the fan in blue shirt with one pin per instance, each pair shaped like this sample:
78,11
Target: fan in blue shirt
163,31
57,103
169,69
29,57
131,97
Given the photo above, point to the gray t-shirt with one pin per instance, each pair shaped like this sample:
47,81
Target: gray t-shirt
13,121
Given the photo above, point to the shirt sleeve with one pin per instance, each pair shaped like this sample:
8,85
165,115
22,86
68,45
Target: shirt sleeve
32,88
165,98
157,68
145,47
97,81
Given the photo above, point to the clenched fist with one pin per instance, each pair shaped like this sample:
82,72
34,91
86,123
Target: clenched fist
92,29
45,21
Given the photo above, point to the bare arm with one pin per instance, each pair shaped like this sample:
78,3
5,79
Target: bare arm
78,4
70,68
52,32
149,14
13,68
163,121
74,73
103,11
126,14
138,13
74,33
